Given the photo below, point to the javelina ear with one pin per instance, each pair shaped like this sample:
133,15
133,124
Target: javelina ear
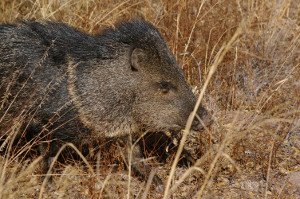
137,57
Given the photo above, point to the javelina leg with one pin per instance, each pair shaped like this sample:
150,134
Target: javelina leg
46,147
49,150
133,156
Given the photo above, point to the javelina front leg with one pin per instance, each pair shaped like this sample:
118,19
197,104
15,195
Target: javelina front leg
49,151
133,156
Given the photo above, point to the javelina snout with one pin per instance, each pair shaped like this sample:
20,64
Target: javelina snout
205,118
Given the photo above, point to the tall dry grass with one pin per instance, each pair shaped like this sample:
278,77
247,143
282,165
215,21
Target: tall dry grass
241,57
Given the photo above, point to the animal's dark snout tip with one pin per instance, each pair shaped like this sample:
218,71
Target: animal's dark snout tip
202,119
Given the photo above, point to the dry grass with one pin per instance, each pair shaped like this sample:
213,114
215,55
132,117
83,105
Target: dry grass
243,57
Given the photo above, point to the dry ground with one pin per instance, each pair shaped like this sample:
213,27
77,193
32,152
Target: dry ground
251,49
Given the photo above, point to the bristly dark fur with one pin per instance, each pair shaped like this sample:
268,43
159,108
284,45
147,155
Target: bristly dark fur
136,34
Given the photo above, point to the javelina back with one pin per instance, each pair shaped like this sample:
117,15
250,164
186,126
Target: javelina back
77,87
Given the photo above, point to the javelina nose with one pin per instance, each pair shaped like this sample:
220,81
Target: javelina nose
205,118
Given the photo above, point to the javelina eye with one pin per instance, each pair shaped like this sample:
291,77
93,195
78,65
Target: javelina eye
165,87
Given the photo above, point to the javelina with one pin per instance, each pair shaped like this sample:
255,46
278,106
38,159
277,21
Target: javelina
69,86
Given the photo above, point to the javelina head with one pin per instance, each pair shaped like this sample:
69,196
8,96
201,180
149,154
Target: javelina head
140,87
163,98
